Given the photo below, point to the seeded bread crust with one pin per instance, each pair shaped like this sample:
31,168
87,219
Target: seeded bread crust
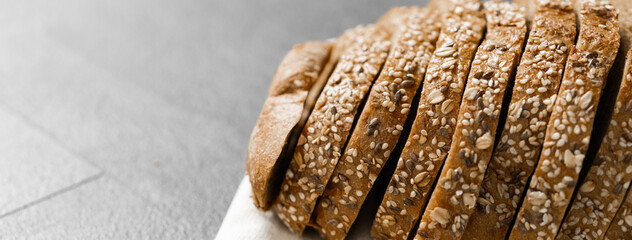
604,187
621,226
379,126
569,129
514,158
530,7
281,116
320,143
454,198
393,19
625,18
603,190
432,130
445,6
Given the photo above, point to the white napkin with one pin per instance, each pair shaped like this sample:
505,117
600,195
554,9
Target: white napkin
244,221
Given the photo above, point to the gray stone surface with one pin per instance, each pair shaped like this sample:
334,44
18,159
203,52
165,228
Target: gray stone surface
98,210
40,173
140,111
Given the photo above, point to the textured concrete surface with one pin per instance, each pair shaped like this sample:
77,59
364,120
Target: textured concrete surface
130,119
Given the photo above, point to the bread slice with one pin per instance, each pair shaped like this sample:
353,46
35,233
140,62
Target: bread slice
432,129
323,136
380,124
530,7
537,81
604,187
276,132
447,6
393,19
621,226
625,18
569,129
454,198
281,118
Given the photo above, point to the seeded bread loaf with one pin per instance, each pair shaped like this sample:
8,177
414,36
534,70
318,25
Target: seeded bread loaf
269,152
604,187
321,141
621,226
530,7
569,129
514,158
379,125
281,119
393,19
445,6
432,129
625,18
339,46
454,198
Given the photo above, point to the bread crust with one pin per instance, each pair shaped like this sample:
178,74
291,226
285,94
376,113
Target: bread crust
282,113
393,19
621,226
537,81
608,179
380,124
432,129
625,20
454,198
322,138
569,129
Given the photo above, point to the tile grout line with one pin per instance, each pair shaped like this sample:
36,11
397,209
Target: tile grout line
55,194
100,171
47,135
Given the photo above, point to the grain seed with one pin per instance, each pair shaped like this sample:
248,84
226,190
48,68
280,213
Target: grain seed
440,215
435,97
587,187
484,142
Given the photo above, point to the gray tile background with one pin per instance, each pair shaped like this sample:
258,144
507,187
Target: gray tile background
130,119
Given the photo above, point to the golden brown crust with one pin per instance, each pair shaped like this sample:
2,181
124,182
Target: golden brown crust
379,124
454,198
319,146
447,6
529,6
281,113
300,68
432,130
604,187
393,19
514,158
621,226
568,132
625,20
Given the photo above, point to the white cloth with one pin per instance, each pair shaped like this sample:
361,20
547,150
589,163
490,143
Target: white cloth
244,221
